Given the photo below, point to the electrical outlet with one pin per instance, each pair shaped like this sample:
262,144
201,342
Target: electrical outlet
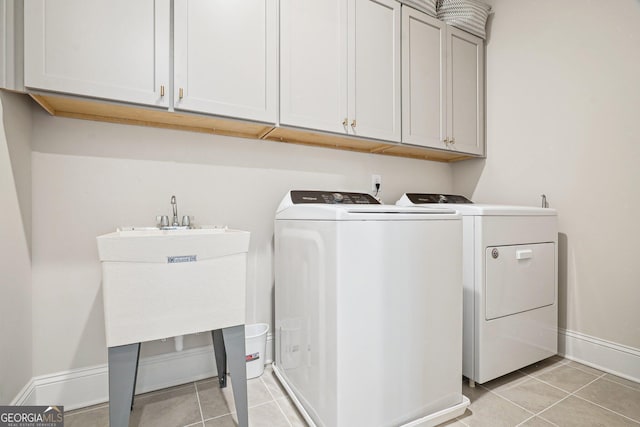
376,179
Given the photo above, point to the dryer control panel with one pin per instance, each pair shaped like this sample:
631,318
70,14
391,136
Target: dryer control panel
332,198
420,198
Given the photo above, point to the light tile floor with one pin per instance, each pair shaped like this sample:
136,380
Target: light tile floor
554,392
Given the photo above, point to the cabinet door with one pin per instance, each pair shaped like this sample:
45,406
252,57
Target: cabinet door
465,92
7,51
113,49
225,58
313,64
374,69
423,79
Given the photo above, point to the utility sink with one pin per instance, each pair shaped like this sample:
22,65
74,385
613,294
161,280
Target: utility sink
163,283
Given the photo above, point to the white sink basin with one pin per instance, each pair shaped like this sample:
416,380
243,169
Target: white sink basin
155,245
163,283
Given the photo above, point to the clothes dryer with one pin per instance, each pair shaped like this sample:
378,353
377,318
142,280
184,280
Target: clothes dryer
368,310
510,271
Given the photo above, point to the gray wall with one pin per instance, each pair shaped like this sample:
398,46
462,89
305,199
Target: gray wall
15,262
563,118
91,177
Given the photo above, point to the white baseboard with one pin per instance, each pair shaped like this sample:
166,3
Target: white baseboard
27,396
605,355
89,386
78,388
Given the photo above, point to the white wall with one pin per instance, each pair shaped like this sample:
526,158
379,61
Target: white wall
89,178
563,118
15,263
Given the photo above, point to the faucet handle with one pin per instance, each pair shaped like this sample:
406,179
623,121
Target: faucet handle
186,221
162,220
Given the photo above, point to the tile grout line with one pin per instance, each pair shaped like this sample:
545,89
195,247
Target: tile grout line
539,414
546,420
163,391
85,410
276,401
588,384
463,423
283,414
569,394
607,409
231,413
264,383
601,376
507,400
219,416
547,368
602,373
551,385
195,384
615,382
561,389
495,393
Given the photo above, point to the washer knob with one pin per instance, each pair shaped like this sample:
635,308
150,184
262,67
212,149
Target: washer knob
338,198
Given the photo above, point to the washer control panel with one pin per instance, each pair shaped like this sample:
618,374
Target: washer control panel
332,198
419,198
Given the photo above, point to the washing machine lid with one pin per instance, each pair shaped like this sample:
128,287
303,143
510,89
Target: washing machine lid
348,206
466,207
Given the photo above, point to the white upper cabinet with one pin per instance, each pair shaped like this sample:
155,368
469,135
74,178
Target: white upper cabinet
11,74
225,55
465,92
313,64
423,79
117,49
374,78
442,85
340,66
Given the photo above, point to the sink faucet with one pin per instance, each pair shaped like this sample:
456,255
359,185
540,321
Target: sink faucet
175,222
163,220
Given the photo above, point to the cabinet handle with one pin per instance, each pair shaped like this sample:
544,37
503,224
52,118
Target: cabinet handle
162,90
353,123
345,122
181,93
452,140
446,141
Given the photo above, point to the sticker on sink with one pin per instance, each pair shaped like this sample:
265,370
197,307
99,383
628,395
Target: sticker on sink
181,258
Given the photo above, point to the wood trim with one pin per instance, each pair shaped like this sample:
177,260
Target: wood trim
42,101
111,112
267,133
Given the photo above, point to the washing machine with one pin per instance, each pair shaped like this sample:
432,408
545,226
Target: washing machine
510,276
368,310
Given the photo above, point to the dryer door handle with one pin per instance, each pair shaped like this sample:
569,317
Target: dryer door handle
524,254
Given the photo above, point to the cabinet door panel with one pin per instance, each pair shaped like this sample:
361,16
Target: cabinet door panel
225,57
423,79
465,92
114,49
375,69
313,64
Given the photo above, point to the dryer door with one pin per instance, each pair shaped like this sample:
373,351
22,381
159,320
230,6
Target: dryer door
519,278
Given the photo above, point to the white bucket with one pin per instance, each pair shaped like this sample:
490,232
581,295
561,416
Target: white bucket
256,346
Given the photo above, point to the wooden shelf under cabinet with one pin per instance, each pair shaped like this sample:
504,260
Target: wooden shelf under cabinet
105,111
